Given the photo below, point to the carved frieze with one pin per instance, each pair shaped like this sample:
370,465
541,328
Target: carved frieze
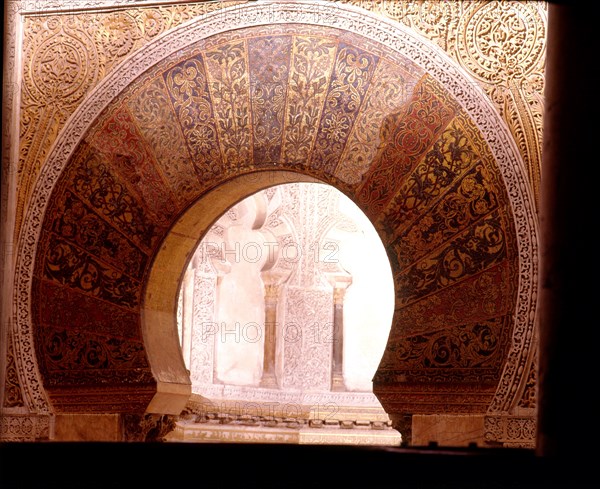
511,430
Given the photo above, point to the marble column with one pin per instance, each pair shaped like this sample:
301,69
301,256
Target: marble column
340,283
568,300
269,378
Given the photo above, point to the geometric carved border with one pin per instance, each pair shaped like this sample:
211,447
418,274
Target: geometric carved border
385,31
24,427
510,431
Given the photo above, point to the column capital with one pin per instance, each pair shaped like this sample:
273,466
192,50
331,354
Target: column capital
340,282
272,291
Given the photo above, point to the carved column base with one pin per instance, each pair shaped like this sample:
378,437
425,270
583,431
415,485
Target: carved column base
87,427
447,430
337,383
269,381
255,428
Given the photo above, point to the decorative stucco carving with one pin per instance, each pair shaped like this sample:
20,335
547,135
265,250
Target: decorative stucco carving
501,44
68,49
24,427
47,161
13,396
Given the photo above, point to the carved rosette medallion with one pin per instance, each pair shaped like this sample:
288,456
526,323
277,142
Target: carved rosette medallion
435,20
62,68
502,44
500,41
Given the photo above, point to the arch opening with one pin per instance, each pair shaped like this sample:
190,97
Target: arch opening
159,326
285,308
475,195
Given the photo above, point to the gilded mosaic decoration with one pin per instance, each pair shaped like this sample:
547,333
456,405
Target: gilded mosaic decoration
501,44
431,186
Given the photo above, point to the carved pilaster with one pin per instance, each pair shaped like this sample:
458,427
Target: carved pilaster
13,396
308,326
207,271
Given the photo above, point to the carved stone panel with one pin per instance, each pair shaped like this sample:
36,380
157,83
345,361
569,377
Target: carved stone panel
203,328
308,336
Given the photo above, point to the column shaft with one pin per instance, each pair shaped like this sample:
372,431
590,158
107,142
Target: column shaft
337,366
269,378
